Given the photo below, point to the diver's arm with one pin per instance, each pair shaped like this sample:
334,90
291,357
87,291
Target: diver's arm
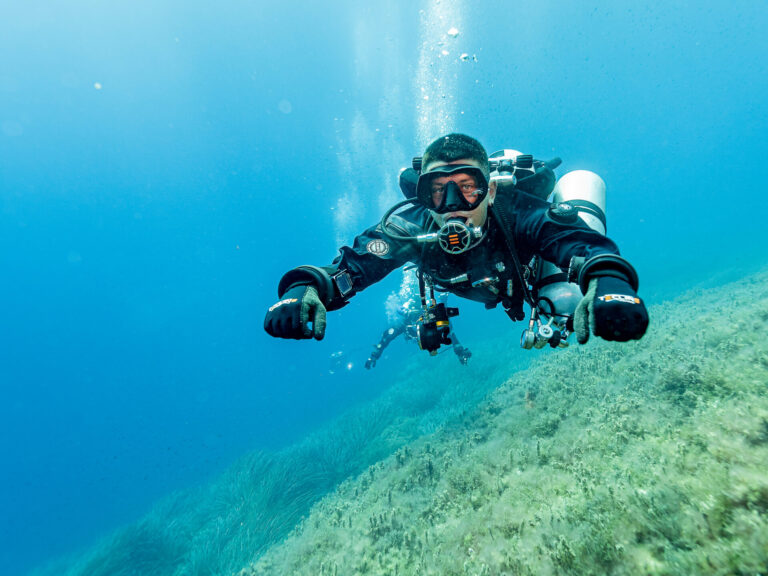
306,292
370,258
569,244
463,353
386,338
390,334
611,307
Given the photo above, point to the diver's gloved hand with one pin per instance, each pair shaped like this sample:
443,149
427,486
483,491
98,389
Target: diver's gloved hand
612,310
464,354
375,355
291,316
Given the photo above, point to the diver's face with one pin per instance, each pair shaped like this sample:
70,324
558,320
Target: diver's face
467,183
468,186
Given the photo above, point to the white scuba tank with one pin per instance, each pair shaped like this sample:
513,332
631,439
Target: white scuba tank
581,189
585,190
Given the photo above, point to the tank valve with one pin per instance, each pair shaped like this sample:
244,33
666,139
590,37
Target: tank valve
538,335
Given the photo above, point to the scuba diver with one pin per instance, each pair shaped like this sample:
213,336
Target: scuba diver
406,320
483,229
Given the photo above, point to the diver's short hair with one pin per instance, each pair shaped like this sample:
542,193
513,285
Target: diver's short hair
455,146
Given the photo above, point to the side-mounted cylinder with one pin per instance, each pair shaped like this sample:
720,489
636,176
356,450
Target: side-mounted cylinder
557,297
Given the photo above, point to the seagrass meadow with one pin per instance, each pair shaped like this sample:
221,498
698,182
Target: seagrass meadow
642,458
646,458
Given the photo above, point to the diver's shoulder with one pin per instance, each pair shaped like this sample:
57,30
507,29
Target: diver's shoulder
520,200
413,216
409,222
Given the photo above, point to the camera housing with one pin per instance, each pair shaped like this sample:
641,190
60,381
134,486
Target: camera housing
435,328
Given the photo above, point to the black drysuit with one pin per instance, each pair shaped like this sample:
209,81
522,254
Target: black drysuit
492,277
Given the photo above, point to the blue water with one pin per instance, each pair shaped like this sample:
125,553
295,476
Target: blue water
163,163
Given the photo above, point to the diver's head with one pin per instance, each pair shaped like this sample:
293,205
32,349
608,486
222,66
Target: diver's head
454,181
454,147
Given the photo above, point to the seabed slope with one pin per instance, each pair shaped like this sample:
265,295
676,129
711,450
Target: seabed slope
640,458
645,458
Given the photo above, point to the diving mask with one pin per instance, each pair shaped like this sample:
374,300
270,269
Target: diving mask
461,194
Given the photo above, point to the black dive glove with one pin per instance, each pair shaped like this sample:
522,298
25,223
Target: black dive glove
610,309
291,316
